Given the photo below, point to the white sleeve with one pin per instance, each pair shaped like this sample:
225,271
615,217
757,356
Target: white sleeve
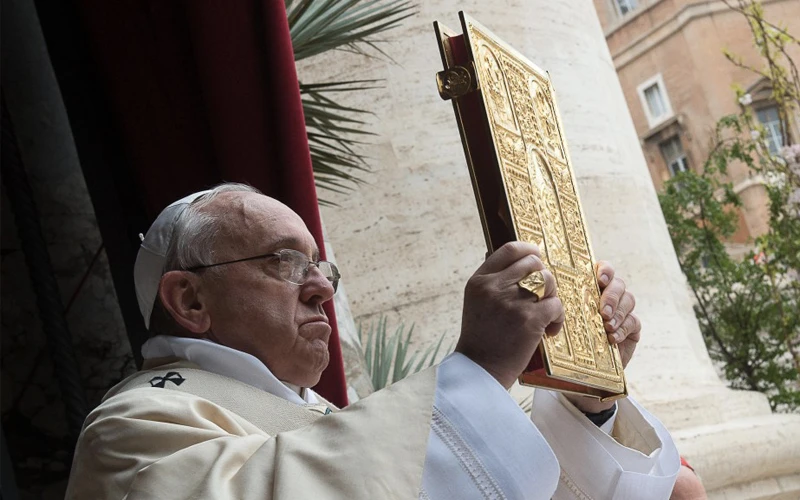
481,443
638,460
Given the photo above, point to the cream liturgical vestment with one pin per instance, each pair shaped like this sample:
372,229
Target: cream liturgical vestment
206,421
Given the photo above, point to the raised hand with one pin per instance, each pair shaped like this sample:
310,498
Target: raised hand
502,323
616,308
622,326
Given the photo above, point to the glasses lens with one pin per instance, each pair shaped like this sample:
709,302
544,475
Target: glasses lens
293,266
331,272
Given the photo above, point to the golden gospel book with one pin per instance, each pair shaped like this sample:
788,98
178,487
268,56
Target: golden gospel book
526,190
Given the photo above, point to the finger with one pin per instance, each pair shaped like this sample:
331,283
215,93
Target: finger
544,313
625,307
631,329
506,255
520,269
557,324
550,286
609,299
604,272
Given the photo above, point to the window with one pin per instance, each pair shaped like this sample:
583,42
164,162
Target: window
674,157
771,121
654,99
625,6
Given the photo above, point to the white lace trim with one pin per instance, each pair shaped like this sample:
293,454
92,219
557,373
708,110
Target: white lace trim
570,484
466,457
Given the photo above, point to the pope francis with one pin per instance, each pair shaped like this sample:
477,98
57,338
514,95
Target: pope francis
230,284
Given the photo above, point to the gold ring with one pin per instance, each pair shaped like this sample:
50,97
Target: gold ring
534,283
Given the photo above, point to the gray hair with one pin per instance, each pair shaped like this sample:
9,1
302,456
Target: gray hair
195,231
192,244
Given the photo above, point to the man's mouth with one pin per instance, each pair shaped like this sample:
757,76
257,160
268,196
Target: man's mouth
316,328
317,319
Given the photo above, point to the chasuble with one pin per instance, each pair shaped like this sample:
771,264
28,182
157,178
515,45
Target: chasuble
180,429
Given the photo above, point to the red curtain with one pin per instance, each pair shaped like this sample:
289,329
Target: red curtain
203,92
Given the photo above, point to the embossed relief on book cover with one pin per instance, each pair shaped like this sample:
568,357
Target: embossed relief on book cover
526,190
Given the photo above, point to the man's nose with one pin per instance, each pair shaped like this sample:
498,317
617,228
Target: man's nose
317,287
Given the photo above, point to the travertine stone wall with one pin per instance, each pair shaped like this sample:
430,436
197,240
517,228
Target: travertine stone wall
408,240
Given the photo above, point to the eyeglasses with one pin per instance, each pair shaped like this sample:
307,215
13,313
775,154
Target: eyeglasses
293,266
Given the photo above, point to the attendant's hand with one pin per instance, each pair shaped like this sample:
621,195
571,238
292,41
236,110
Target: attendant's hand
688,486
616,308
502,323
622,326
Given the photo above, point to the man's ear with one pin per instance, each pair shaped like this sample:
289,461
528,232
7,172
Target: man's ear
183,299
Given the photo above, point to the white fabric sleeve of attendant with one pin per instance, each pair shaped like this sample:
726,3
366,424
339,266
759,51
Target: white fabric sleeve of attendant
608,425
638,460
481,443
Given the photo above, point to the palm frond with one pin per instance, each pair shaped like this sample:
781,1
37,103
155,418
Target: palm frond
345,86
317,26
387,355
335,131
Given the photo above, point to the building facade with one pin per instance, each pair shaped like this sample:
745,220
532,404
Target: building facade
669,55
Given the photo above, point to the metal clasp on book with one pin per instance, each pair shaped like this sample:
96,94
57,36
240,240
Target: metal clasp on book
456,81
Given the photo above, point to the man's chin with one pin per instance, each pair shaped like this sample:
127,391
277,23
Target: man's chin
310,382
312,376
321,368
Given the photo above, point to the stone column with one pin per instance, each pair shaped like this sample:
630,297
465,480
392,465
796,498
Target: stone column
408,241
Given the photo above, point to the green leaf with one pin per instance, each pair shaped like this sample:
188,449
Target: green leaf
393,360
318,26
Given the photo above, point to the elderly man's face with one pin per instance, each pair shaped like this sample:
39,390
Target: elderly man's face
251,308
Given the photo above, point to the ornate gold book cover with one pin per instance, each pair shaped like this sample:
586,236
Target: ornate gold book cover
526,190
